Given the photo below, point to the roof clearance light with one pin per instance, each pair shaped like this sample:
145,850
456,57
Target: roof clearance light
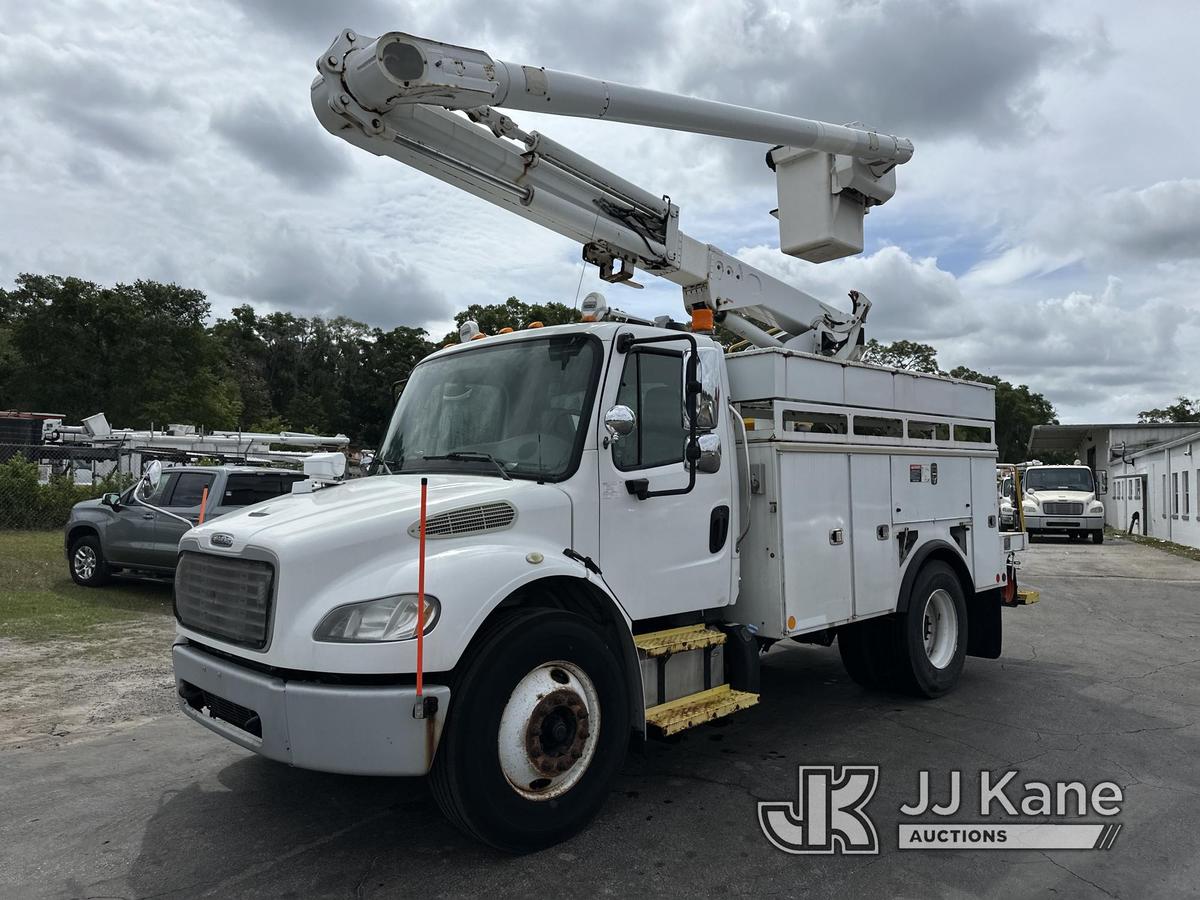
468,331
702,319
505,330
594,307
535,325
479,337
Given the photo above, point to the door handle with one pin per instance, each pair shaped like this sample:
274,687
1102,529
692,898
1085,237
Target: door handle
836,537
147,515
718,529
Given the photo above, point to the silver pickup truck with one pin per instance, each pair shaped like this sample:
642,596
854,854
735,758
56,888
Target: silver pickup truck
117,534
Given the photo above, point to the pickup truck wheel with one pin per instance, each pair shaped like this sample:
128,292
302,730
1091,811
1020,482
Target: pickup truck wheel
86,562
932,639
537,727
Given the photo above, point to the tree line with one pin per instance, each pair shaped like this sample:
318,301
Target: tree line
149,352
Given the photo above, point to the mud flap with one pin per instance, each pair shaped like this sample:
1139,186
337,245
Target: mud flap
985,628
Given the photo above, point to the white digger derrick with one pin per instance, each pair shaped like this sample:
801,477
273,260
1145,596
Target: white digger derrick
433,106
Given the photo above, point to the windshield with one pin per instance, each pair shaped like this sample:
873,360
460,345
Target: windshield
523,403
1068,478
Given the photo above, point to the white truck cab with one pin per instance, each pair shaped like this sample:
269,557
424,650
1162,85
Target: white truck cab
1062,500
587,575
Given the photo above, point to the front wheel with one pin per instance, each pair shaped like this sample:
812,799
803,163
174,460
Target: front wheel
537,727
1098,537
87,564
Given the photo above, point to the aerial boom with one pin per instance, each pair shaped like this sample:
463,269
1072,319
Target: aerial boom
432,106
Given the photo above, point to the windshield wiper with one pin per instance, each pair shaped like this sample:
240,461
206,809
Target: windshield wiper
474,455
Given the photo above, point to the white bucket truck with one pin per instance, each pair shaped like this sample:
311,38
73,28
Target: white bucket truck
620,516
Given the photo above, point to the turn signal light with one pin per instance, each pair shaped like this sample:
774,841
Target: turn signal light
702,319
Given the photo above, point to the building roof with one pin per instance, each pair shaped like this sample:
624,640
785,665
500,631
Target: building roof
1167,445
1068,437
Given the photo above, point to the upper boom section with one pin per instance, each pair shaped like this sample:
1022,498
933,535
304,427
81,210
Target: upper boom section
416,70
431,106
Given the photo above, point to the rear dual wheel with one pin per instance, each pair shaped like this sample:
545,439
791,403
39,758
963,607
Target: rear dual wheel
537,727
920,651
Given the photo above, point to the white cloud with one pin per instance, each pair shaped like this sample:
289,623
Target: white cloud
1048,228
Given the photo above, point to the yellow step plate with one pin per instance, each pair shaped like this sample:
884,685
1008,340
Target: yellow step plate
1027,598
696,709
677,640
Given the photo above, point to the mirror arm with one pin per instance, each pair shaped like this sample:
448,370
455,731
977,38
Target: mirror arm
166,512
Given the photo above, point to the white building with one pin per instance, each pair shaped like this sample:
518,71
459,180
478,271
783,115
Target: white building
1147,474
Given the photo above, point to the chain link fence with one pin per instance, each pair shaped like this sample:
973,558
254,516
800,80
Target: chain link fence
40,484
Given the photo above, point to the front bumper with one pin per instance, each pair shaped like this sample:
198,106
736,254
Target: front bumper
349,729
1038,523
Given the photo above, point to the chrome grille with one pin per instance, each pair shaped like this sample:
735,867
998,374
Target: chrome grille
1062,509
468,520
225,597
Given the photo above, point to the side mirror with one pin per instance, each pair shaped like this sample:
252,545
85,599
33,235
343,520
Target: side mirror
708,402
112,501
620,421
709,460
149,480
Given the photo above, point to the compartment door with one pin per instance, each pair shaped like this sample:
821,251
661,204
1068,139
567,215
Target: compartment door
814,507
876,558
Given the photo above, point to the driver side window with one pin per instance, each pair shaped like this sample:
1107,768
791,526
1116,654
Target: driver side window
652,386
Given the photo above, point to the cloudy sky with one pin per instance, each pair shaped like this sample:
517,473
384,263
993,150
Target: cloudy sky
1047,229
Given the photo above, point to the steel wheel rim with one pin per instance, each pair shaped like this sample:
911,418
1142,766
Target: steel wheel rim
939,628
84,562
548,730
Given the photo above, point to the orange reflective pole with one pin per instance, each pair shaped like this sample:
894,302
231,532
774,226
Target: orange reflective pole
421,591
203,503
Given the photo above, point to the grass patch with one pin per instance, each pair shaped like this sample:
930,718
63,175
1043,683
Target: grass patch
39,601
1169,546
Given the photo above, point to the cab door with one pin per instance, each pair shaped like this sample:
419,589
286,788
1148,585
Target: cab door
129,534
668,553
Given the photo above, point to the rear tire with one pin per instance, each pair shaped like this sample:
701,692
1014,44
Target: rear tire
1098,537
537,727
932,635
86,562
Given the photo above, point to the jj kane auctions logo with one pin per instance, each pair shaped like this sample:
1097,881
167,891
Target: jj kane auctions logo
829,814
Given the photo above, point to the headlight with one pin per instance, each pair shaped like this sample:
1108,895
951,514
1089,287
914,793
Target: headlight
1097,509
1029,506
386,619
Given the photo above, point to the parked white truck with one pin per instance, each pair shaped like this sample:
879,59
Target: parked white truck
1062,500
620,517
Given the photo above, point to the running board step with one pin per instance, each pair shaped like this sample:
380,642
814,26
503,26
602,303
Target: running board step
696,709
677,640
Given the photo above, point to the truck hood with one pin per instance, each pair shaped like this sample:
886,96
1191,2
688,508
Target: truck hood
376,506
1061,496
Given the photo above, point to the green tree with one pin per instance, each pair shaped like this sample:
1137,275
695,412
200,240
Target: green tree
138,352
902,355
1182,410
513,313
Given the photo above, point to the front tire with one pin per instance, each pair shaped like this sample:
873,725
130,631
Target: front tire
1098,537
537,728
86,562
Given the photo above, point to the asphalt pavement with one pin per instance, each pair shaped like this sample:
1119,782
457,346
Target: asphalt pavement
1100,681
